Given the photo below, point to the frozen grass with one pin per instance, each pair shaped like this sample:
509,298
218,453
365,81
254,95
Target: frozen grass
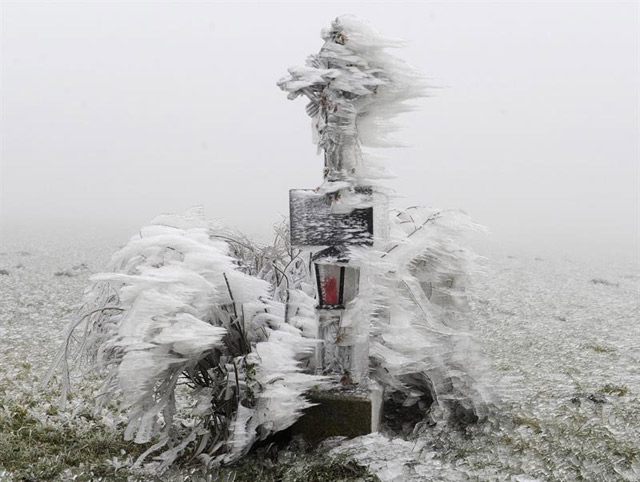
44,448
563,352
40,441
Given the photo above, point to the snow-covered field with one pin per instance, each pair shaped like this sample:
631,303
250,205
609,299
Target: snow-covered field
562,339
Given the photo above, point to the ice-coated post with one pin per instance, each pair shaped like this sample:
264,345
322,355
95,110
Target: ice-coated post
352,86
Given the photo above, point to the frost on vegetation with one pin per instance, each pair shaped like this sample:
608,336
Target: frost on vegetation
189,303
422,347
210,338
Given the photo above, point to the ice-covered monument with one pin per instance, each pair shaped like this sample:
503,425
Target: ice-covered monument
352,85
356,315
390,289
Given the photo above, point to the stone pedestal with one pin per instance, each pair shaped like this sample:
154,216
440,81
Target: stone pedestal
343,411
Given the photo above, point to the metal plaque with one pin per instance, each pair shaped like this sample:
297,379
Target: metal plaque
314,221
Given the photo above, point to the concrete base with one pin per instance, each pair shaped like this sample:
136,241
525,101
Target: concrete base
343,411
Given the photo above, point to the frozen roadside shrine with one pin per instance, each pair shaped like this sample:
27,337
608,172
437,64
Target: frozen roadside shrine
381,286
355,316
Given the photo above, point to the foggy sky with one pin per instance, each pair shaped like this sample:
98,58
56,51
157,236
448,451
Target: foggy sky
114,112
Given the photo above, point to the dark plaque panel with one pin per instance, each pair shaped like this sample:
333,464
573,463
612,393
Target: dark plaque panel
313,223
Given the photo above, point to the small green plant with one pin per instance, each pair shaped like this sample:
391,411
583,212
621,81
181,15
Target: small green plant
611,389
600,348
31,449
52,410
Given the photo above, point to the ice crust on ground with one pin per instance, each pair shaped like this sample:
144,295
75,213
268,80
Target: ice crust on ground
549,334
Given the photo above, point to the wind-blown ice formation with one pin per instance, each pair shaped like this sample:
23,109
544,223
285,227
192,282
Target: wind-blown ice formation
355,88
422,345
176,307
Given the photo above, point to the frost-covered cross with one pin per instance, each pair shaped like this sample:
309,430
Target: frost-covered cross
353,87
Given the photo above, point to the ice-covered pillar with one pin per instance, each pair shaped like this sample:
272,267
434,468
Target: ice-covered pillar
353,87
327,225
